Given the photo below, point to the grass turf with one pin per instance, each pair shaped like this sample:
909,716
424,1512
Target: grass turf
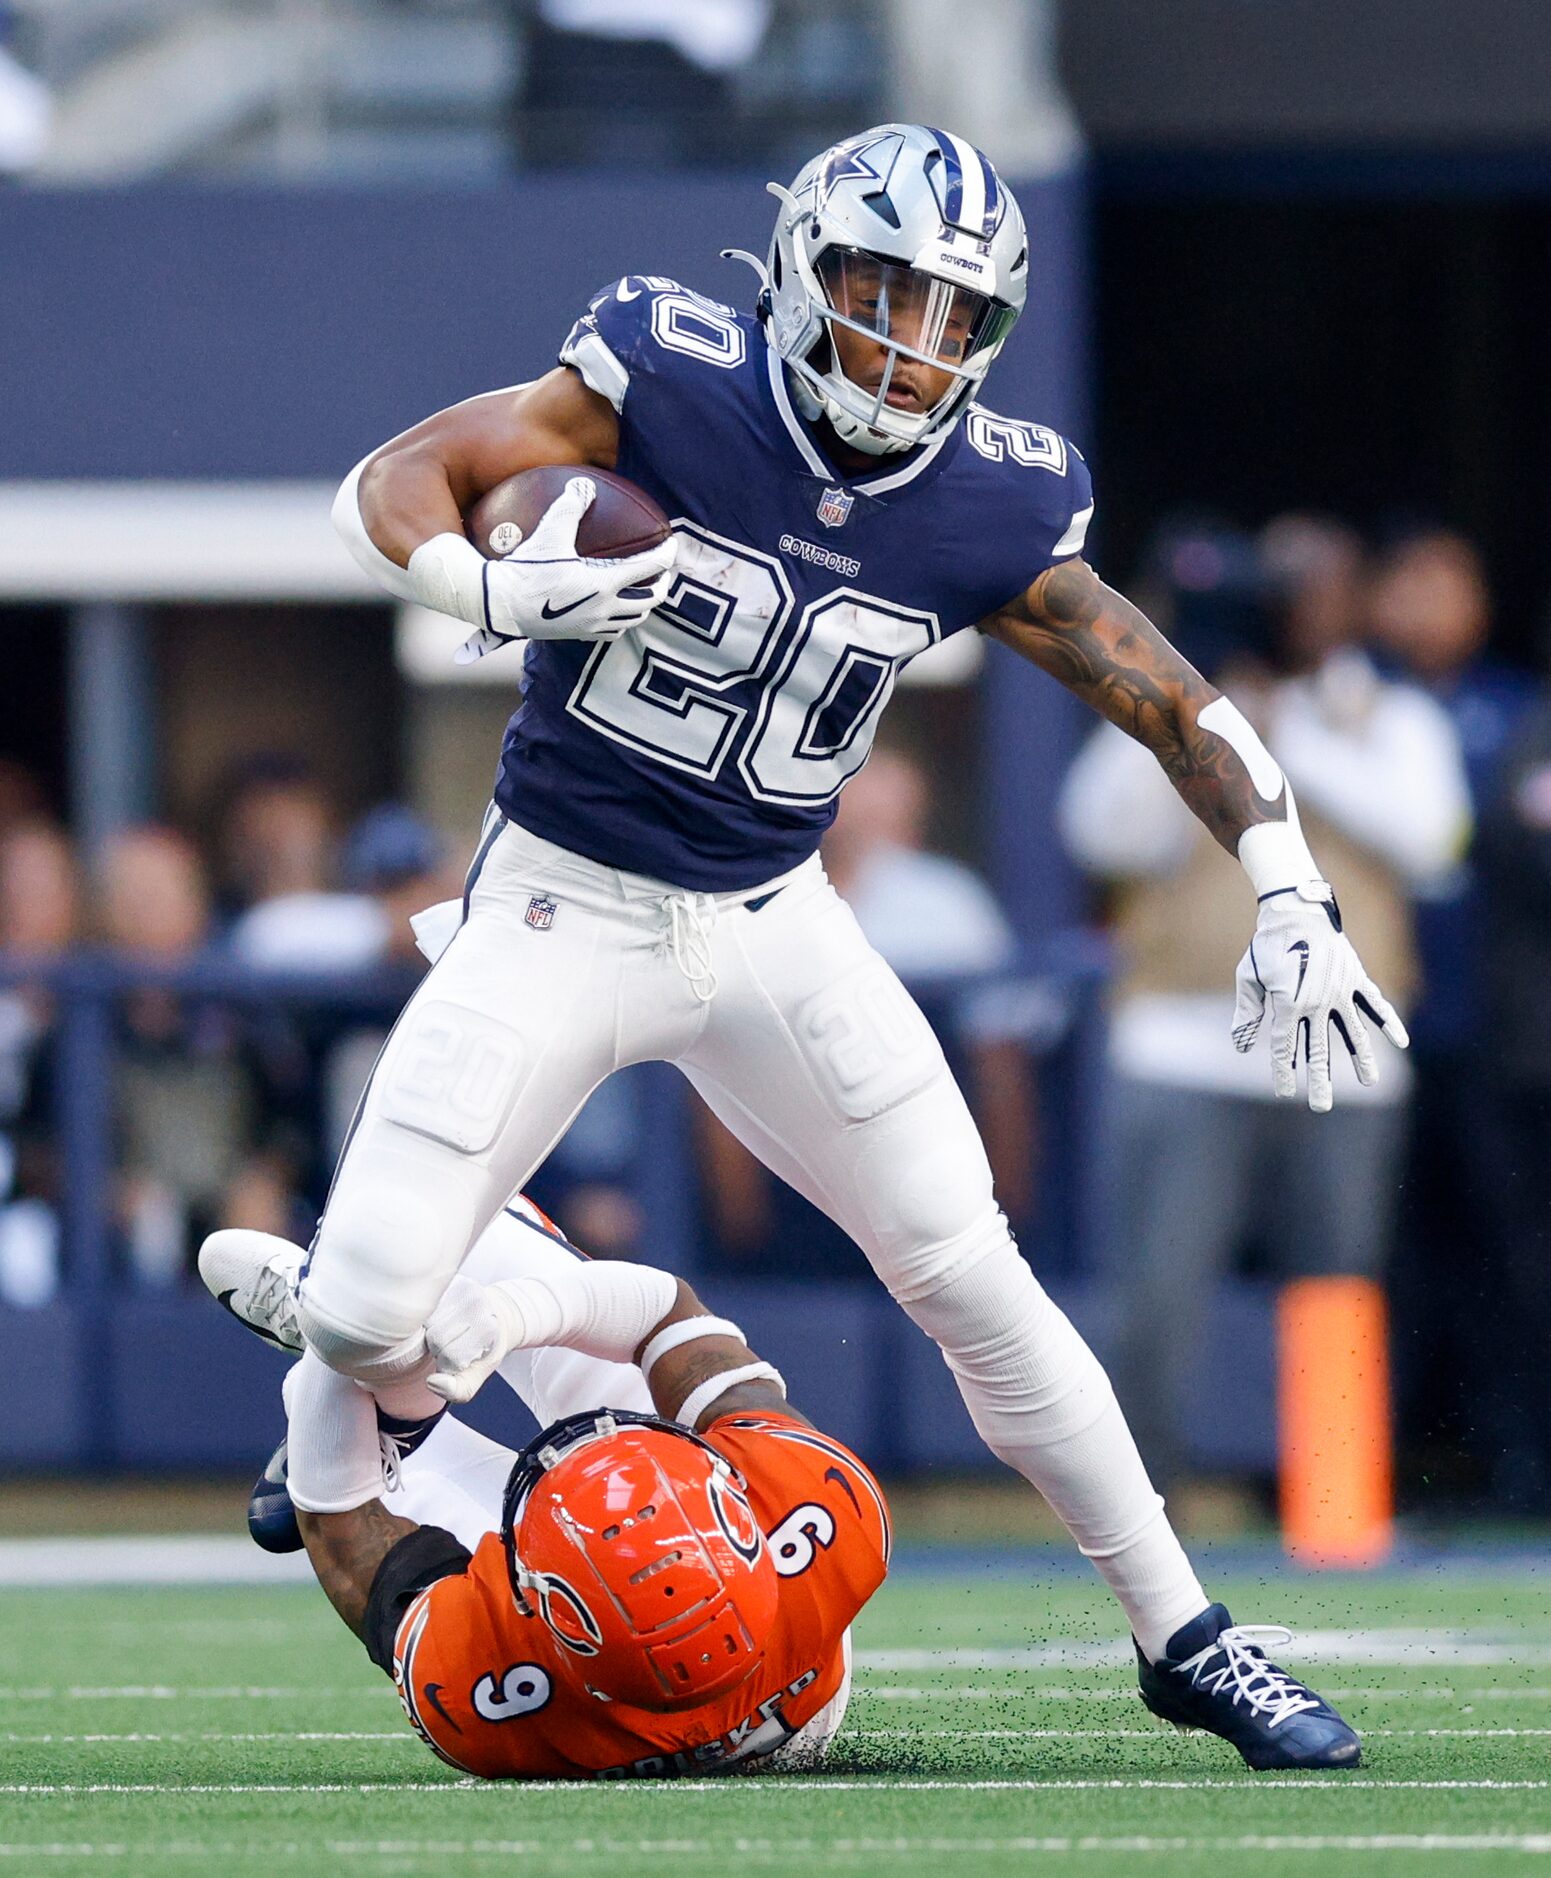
238,1732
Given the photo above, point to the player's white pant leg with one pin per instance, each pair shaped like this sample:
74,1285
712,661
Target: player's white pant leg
455,1479
552,1383
499,1047
820,1062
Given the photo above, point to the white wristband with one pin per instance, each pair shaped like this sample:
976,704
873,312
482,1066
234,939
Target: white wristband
714,1388
447,574
687,1330
1275,854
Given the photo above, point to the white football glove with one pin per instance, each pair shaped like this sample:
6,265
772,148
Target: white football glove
475,1327
543,589
1303,968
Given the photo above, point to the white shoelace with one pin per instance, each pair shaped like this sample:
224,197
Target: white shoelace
273,1304
1245,1673
690,919
392,1450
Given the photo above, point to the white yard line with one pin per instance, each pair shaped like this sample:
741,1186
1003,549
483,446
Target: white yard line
1157,1734
1243,1783
1396,1648
978,1692
155,1559
785,1848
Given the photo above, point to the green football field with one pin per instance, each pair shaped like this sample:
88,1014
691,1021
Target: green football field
995,1729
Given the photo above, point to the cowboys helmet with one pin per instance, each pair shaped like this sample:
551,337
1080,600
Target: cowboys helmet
907,236
633,1541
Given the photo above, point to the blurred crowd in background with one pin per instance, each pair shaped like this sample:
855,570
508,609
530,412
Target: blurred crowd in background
1423,771
1368,661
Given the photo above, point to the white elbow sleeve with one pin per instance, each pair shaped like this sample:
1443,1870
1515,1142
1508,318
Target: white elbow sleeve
1273,854
351,529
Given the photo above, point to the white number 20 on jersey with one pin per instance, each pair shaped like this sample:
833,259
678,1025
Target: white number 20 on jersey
823,678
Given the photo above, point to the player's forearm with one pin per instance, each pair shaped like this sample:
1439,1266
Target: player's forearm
1110,654
346,1550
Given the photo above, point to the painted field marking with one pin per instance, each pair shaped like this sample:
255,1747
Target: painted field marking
1159,1735
1243,1783
1393,1648
1529,1842
978,1692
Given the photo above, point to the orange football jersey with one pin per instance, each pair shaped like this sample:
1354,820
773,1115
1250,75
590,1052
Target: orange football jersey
494,1693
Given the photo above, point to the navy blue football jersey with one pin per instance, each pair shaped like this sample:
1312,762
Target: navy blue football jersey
707,748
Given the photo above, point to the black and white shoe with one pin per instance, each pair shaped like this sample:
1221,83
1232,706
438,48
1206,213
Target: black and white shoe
1216,1676
254,1276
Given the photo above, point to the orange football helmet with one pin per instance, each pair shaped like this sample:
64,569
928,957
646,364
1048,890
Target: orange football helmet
631,1538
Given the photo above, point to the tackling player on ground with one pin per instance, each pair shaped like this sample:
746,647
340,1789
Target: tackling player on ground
648,884
661,1583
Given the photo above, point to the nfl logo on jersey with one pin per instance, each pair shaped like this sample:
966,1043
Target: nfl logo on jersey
540,914
834,506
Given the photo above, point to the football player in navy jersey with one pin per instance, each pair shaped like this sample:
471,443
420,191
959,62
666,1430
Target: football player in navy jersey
648,883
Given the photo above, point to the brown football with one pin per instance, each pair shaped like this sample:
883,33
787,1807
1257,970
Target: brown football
621,520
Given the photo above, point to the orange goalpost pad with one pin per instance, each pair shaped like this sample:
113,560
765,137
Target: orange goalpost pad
1333,1415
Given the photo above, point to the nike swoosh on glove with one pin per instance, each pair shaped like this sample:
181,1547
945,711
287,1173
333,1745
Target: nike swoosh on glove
1303,970
544,589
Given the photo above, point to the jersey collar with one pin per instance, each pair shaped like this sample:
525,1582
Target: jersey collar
896,476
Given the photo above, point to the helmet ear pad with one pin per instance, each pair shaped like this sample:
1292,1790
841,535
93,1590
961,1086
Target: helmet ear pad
637,1548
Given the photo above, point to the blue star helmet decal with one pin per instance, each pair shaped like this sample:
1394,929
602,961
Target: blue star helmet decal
865,160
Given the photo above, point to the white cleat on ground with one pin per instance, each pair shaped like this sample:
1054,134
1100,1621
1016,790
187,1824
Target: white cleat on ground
253,1275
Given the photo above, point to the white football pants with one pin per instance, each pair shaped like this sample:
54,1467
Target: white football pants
804,1043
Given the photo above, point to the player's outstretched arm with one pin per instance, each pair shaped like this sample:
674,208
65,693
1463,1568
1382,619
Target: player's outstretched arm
1300,967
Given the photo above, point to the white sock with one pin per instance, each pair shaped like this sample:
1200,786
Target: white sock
333,1457
1043,1404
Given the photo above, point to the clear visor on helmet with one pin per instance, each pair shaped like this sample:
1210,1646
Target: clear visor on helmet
934,321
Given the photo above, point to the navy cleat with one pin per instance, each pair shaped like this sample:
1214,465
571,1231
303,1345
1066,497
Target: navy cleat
1217,1677
271,1516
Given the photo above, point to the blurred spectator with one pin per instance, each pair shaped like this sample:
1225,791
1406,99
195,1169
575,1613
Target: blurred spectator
926,913
1514,856
21,796
934,920
39,918
1204,1160
632,84
1430,615
397,866
185,1100
25,108
278,847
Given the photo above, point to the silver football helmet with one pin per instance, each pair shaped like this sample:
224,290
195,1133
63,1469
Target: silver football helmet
906,236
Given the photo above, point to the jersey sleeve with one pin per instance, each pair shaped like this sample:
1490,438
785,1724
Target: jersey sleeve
823,1514
607,344
466,1690
418,1560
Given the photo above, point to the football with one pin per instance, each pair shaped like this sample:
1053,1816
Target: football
621,521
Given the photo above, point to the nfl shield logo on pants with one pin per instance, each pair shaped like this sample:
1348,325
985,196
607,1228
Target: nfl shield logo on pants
540,914
834,506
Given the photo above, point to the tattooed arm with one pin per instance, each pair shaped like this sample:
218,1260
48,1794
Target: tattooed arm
1300,968
1112,656
346,1550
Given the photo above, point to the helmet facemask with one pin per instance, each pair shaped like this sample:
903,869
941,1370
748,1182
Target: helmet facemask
912,319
